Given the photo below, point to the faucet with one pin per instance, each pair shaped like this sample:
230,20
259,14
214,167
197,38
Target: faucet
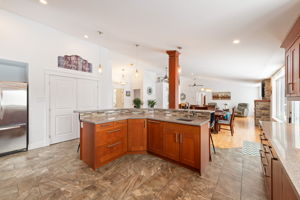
189,111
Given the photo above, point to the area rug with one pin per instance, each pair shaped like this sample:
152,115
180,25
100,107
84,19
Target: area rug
251,148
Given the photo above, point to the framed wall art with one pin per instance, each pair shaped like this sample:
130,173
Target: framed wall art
221,95
74,62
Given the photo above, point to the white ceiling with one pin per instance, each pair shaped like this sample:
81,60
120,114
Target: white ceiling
204,28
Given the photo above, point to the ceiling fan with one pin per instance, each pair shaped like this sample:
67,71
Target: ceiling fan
195,84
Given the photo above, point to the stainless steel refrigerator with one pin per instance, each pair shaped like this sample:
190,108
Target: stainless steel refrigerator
13,117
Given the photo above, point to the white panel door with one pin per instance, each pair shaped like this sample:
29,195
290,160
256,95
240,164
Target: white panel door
63,121
87,94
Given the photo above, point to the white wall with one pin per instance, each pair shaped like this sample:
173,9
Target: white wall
241,92
149,81
39,45
146,78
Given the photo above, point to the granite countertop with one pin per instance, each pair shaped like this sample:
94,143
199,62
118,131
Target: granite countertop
104,118
285,139
143,109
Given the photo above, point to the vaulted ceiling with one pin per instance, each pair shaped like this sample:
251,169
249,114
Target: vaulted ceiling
205,29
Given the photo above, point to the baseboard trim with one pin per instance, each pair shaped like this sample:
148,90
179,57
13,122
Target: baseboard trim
37,145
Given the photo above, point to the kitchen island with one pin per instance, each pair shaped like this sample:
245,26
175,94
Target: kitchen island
280,156
176,135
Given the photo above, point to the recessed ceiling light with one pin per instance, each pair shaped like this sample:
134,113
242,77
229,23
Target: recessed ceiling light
43,2
236,41
86,36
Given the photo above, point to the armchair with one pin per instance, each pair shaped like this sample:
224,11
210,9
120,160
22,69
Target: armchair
242,110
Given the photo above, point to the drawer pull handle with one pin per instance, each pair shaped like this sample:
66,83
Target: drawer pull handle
112,145
180,139
154,122
105,125
261,154
176,139
113,131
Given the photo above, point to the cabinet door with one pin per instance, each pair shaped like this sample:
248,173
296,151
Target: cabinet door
137,135
276,180
155,136
295,51
171,142
294,63
189,146
290,76
288,192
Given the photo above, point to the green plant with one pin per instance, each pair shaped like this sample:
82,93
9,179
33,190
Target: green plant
137,102
151,103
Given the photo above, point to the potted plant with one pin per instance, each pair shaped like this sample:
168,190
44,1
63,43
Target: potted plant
137,102
151,103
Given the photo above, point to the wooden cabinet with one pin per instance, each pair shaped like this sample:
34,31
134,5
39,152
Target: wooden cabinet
276,180
282,188
189,145
292,70
171,141
185,144
289,71
155,136
291,44
181,143
103,143
278,184
137,135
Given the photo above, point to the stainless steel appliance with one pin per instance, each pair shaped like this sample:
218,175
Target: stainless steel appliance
13,117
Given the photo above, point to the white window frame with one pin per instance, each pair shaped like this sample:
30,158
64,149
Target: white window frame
280,74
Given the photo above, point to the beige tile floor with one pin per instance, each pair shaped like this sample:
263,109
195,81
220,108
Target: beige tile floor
55,172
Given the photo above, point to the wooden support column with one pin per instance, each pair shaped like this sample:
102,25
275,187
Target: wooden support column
173,79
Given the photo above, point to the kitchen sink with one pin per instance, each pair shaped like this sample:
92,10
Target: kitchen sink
185,119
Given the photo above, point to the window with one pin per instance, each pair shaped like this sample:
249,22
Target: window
278,97
295,111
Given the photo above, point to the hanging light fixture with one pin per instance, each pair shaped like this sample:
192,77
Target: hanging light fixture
179,48
179,69
100,69
123,81
136,71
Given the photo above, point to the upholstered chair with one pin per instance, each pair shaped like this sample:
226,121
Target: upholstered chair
242,110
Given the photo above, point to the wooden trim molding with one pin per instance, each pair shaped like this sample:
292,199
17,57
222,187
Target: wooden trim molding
292,36
262,100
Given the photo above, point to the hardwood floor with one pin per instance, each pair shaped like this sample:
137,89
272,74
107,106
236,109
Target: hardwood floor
244,131
55,172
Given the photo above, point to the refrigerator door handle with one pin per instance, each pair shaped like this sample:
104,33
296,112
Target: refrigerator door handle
4,128
1,108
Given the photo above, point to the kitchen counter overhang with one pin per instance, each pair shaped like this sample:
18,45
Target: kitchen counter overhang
197,118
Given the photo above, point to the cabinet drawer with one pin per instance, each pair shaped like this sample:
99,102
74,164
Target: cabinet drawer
105,126
120,123
111,151
109,136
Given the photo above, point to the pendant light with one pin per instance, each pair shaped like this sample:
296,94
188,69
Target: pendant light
179,48
100,68
136,73
136,70
123,81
